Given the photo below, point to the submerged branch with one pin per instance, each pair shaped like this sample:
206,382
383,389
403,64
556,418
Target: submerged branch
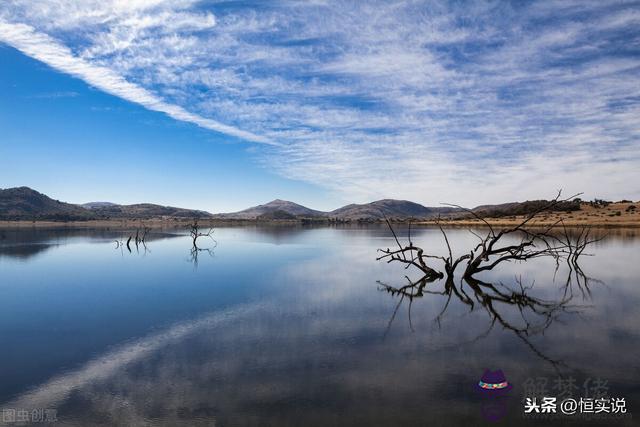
520,242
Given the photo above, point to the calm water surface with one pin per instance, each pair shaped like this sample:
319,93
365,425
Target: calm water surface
293,326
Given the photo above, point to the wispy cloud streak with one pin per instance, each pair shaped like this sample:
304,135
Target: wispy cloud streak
46,49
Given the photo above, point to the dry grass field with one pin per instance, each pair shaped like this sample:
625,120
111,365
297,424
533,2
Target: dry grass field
614,215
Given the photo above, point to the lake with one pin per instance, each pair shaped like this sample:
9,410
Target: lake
295,326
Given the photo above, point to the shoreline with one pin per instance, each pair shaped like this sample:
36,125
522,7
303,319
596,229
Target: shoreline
164,223
544,223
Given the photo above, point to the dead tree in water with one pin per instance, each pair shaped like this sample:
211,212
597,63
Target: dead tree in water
195,250
141,234
554,240
521,242
195,234
409,255
139,238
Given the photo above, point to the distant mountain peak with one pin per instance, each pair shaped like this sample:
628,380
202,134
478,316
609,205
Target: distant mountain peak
385,207
279,202
277,207
23,189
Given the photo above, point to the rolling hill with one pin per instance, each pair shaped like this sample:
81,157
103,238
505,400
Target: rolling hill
394,209
23,203
397,209
281,206
26,204
523,208
142,211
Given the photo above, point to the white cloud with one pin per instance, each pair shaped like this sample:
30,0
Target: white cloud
48,50
428,101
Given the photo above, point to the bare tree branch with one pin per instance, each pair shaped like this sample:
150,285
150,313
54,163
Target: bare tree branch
519,242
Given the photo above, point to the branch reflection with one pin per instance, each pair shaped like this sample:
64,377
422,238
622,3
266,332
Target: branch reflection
501,302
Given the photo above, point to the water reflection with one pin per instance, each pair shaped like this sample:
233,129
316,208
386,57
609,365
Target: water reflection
531,315
195,233
24,251
288,329
27,242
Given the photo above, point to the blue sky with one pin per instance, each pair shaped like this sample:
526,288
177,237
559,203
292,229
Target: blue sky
222,105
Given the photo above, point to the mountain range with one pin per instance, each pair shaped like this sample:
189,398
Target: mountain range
24,203
396,209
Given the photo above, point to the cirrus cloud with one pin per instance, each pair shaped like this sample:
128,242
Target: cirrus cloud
430,101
